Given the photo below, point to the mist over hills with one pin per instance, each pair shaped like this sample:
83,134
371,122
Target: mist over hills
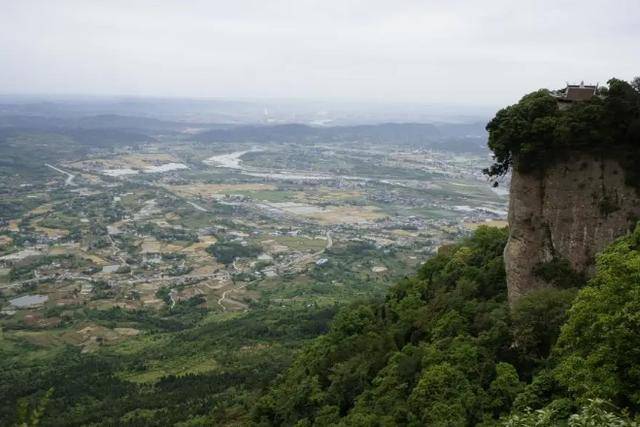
130,122
239,112
444,137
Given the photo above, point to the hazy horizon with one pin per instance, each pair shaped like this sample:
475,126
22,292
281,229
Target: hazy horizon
454,53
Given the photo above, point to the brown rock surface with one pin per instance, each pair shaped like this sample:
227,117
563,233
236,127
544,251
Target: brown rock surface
571,211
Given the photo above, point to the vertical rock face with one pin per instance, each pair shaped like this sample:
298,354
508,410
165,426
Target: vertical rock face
571,211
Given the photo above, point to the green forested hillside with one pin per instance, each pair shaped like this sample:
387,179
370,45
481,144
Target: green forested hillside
176,373
444,349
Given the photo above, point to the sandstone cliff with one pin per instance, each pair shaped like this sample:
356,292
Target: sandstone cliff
570,211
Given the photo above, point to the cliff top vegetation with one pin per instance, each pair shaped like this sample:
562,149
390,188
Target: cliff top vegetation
534,132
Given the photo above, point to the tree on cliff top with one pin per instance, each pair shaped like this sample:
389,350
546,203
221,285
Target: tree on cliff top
535,131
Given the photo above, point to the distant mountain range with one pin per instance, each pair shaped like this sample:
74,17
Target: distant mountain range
112,129
102,121
446,136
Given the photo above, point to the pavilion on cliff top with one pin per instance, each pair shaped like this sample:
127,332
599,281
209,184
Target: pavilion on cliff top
577,93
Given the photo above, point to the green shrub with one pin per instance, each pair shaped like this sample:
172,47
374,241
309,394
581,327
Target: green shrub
227,251
558,272
537,318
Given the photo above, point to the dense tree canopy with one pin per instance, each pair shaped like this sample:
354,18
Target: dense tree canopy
536,130
226,251
444,349
599,345
428,355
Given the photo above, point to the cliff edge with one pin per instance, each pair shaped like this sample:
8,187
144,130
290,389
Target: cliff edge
574,156
567,213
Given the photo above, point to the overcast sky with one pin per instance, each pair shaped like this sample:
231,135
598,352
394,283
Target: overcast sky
458,52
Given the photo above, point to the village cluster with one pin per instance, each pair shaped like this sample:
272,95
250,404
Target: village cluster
154,227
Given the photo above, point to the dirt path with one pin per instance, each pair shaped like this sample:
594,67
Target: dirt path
197,206
329,241
173,301
224,297
69,180
115,250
